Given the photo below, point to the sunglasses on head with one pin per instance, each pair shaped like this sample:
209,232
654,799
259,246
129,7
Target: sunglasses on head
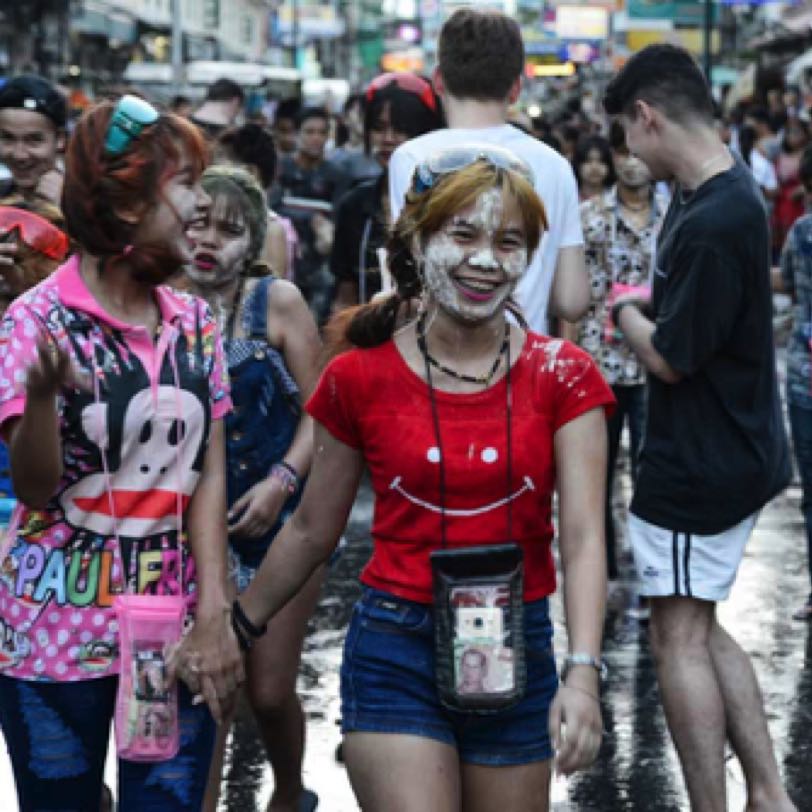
410,82
130,118
35,231
452,159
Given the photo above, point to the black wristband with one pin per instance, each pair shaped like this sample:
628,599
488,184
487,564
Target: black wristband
241,619
617,308
243,641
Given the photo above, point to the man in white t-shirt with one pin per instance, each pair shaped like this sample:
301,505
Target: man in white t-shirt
481,60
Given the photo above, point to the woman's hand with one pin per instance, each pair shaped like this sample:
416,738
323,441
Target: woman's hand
576,727
259,506
208,660
52,370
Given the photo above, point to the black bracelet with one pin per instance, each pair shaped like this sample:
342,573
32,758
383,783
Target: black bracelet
243,641
241,619
616,310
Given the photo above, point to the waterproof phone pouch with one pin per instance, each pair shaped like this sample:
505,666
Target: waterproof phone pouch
146,719
479,627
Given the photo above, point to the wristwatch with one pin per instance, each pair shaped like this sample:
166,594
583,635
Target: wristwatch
580,658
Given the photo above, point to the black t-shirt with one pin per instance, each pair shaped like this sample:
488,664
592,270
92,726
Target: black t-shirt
715,450
360,232
321,185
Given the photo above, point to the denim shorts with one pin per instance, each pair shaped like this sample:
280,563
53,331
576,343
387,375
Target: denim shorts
387,684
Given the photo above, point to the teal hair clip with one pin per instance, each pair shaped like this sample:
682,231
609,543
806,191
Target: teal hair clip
130,118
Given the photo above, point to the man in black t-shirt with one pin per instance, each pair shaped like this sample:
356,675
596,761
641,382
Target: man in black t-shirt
309,186
715,450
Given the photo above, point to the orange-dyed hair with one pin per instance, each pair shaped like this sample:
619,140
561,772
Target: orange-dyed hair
98,185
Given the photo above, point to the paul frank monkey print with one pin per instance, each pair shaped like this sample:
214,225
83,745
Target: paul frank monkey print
133,444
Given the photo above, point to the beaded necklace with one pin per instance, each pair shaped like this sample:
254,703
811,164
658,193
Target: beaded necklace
482,380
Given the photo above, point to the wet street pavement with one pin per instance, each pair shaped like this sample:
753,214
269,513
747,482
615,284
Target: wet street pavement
637,768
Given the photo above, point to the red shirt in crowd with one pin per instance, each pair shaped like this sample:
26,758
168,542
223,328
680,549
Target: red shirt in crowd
372,401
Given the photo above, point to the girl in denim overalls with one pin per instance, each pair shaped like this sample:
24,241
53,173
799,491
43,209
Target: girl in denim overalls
272,348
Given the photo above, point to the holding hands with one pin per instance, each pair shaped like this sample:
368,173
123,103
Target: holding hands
576,726
208,660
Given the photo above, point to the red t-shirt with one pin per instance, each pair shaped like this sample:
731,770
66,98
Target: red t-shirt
371,400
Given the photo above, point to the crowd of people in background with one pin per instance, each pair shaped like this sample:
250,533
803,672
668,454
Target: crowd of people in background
150,256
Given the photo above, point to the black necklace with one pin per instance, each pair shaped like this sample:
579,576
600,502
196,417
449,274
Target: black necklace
482,380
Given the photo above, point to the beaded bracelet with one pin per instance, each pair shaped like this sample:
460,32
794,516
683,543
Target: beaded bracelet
286,474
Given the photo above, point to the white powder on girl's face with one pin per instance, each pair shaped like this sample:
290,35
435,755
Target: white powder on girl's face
221,246
481,247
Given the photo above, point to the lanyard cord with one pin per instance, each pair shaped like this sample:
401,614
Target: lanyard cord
435,417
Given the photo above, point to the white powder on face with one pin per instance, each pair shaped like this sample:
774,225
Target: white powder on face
227,247
441,256
444,254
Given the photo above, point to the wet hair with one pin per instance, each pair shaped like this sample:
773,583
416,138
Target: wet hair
666,77
408,114
805,169
307,113
252,145
98,185
480,54
244,201
424,214
584,146
224,90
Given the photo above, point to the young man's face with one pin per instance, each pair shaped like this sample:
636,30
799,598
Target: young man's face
284,131
29,144
313,137
644,144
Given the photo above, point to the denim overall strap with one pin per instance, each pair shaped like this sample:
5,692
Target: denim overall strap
255,325
256,310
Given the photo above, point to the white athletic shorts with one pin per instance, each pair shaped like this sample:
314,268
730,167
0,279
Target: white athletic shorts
671,563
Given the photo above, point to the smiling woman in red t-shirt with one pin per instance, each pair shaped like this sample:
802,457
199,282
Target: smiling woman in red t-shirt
467,424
